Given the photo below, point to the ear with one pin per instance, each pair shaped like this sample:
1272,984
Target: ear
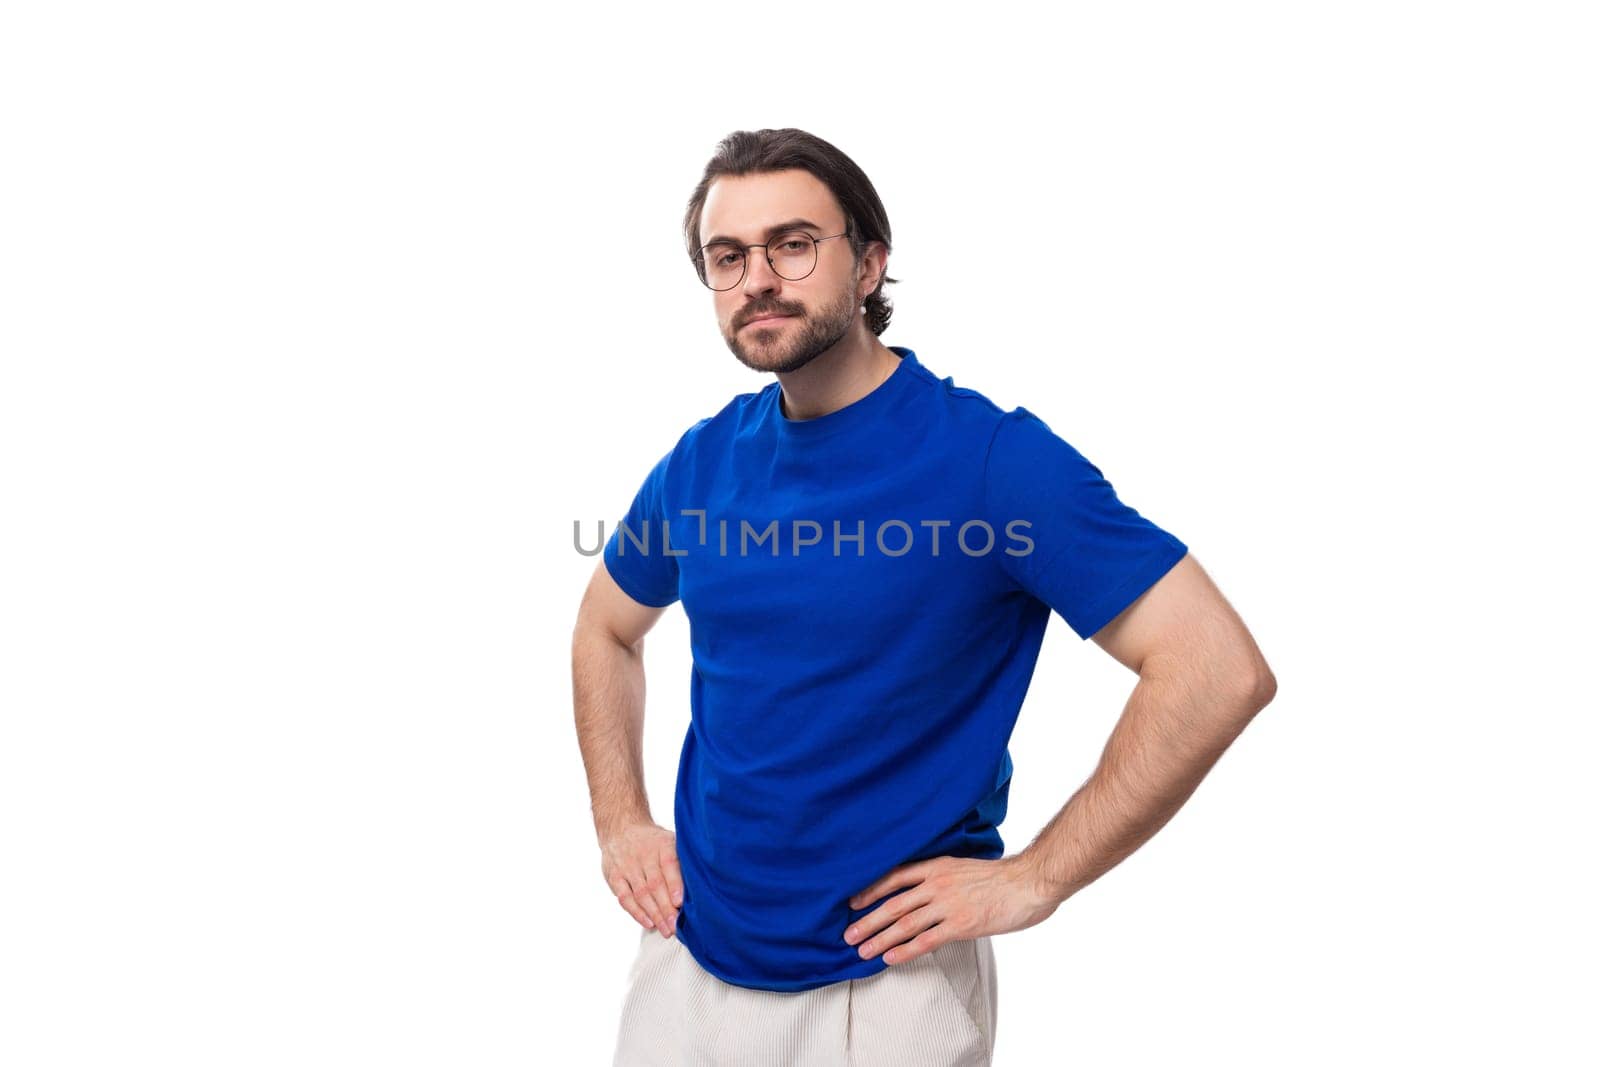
874,265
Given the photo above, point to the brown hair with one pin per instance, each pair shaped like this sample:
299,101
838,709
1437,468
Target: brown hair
763,151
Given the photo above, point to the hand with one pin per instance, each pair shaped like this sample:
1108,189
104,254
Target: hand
951,899
639,861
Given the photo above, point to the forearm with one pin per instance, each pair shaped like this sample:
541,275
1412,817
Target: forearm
608,703
1171,733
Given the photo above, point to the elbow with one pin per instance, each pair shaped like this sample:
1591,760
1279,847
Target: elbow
1262,686
1253,685
1246,684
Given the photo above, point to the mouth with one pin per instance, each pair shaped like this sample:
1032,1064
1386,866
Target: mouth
766,320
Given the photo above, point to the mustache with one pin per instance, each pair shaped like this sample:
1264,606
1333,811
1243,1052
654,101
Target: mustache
759,313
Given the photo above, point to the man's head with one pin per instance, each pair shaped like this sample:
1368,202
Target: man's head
760,186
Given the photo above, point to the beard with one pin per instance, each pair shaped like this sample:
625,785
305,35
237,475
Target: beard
803,338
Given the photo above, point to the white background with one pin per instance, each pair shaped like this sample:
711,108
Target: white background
322,323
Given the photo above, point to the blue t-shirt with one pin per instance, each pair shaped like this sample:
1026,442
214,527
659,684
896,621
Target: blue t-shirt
866,592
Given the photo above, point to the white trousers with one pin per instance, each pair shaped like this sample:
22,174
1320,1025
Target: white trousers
938,1010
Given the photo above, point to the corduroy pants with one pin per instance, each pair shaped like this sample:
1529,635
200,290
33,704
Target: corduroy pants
936,1011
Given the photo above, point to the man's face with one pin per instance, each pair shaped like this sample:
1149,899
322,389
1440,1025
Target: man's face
817,310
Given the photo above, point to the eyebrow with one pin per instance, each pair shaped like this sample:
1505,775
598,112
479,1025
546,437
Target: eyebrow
792,224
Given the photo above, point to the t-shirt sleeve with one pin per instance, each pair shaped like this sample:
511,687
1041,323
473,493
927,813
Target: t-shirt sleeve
635,552
1061,532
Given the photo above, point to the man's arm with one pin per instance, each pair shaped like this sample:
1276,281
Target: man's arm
639,859
1201,680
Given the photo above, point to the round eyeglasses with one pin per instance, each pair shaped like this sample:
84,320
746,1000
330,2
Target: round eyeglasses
792,256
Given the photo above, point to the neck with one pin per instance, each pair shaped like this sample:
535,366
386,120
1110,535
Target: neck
843,374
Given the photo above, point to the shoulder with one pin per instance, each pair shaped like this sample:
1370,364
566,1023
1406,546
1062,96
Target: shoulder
1021,431
1001,434
1014,442
967,412
1024,451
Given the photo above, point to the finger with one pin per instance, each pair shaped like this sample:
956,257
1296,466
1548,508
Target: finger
669,914
657,900
674,875
891,942
625,897
886,913
645,893
902,876
670,887
917,946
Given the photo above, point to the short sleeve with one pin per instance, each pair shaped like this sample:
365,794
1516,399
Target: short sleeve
1062,533
635,552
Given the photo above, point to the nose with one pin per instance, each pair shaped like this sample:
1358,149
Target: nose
759,277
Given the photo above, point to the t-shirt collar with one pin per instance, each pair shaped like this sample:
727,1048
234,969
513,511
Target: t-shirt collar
856,413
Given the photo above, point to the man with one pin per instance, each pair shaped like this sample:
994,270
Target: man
868,556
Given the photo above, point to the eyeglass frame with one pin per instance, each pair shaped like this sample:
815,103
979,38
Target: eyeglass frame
699,257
